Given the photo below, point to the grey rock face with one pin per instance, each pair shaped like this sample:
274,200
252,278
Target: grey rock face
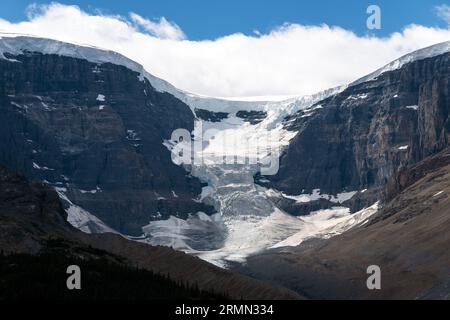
359,138
253,117
211,116
98,131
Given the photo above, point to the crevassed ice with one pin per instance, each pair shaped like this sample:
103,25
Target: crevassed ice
247,220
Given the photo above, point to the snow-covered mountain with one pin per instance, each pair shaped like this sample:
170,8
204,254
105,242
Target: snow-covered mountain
251,212
17,43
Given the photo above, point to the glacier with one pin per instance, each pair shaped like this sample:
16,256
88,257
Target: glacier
247,221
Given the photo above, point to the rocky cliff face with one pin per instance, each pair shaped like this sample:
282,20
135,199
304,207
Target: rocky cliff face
96,131
361,137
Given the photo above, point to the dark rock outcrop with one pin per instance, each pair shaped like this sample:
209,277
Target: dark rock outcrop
210,116
254,117
28,206
96,130
361,137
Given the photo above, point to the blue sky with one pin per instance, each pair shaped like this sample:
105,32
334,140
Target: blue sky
207,19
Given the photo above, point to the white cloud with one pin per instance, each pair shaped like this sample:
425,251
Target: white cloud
292,59
162,29
443,12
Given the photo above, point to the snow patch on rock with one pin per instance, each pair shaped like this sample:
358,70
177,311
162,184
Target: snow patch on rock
316,195
82,219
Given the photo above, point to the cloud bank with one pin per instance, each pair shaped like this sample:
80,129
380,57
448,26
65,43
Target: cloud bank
292,59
